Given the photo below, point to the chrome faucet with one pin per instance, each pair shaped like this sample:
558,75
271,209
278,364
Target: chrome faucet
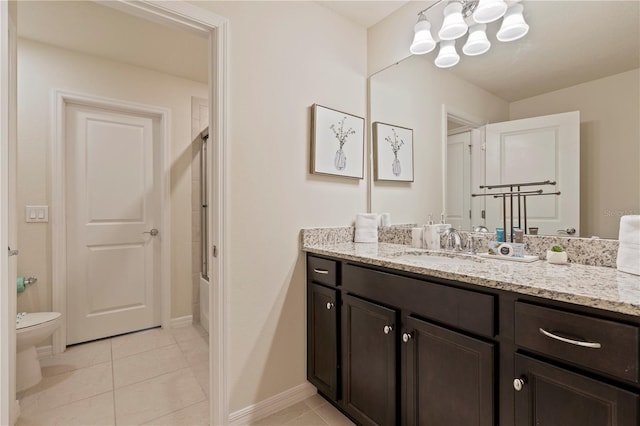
452,240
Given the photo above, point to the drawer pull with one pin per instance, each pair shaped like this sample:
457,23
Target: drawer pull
321,271
592,345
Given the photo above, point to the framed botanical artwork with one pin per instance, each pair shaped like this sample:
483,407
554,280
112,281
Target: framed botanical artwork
392,152
337,143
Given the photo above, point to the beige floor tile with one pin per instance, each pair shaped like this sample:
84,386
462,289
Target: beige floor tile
66,388
188,332
332,416
145,365
134,343
96,410
195,350
201,372
142,402
194,415
76,357
285,415
315,401
308,419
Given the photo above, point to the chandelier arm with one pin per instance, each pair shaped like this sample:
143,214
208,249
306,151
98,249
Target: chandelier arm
468,6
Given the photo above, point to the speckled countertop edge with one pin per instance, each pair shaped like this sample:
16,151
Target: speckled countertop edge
592,286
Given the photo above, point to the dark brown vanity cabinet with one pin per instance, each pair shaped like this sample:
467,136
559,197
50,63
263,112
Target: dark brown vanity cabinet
448,377
323,313
547,395
392,348
369,356
322,341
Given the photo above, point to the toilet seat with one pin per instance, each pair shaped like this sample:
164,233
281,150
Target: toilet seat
36,318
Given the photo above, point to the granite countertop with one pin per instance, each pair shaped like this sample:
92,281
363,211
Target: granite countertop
593,286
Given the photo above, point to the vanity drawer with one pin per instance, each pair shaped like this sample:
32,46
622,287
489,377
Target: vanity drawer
464,309
323,271
607,346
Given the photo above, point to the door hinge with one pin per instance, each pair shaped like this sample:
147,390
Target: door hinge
214,250
483,214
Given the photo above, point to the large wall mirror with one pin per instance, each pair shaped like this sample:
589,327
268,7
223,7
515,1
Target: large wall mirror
579,56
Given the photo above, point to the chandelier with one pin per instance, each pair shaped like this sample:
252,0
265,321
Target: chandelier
470,16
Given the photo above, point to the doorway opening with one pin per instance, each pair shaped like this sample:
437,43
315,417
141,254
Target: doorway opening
195,19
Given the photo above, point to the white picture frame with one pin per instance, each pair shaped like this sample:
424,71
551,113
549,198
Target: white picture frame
393,152
337,143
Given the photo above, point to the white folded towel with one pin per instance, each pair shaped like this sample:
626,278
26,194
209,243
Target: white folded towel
366,228
630,229
629,245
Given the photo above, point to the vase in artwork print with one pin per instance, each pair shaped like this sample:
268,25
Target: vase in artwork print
340,160
395,166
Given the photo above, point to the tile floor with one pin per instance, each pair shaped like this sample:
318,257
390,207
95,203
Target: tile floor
153,377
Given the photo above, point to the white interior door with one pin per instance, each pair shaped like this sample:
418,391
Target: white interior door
458,198
536,150
113,285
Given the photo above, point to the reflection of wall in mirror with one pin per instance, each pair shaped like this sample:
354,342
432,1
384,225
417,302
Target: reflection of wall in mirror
609,146
412,94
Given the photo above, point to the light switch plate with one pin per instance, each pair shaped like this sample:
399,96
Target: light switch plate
37,213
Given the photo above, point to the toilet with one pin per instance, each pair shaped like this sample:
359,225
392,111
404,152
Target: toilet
32,329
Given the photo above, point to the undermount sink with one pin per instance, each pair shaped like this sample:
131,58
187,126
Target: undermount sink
433,258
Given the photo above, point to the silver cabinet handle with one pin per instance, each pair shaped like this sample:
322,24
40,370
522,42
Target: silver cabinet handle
593,345
13,252
321,271
406,337
330,306
153,232
518,384
387,329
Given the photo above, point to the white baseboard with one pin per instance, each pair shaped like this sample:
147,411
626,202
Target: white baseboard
272,405
181,321
44,351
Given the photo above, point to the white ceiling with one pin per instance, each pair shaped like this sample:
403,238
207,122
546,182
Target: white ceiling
364,13
90,28
569,42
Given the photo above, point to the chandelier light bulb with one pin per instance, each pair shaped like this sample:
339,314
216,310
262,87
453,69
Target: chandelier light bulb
477,42
453,26
513,25
422,40
447,56
489,11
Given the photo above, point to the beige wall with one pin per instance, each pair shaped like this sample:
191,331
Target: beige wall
609,146
412,94
42,68
284,57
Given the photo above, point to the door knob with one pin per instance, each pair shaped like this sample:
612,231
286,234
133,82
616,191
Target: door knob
387,329
519,383
153,232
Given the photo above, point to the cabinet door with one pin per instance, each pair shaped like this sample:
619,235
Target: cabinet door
322,339
448,377
550,396
369,362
